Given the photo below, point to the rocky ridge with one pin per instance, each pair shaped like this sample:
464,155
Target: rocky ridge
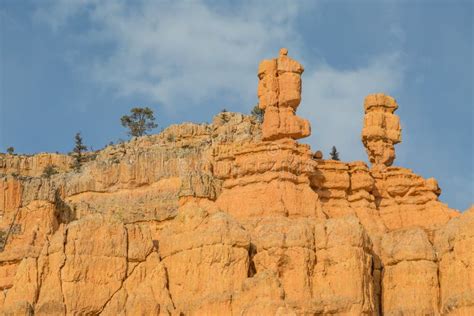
234,217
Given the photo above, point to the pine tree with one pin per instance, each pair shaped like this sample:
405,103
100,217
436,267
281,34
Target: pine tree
78,151
139,122
258,113
334,154
10,150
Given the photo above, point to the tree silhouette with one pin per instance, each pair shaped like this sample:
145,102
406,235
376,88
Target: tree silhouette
139,122
10,150
78,151
334,154
258,113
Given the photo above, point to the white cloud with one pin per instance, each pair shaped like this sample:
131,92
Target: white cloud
190,52
333,102
170,50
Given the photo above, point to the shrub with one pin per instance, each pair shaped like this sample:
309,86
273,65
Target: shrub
49,170
3,239
170,138
224,115
334,154
139,122
258,113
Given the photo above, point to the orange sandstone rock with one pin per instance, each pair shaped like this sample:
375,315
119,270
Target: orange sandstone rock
454,245
233,218
34,165
343,282
273,177
279,94
405,199
409,263
381,129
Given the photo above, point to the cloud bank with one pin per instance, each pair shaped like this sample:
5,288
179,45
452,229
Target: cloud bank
333,102
185,55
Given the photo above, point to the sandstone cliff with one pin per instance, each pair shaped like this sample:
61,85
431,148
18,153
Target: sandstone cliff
233,218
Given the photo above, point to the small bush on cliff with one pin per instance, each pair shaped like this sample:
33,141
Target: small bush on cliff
224,116
258,113
139,122
49,170
334,154
3,239
78,151
10,150
170,138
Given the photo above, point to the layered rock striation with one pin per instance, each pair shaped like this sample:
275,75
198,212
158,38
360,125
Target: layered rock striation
381,129
233,218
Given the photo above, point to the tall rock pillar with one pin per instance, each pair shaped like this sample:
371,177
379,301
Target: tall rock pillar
270,177
279,94
381,129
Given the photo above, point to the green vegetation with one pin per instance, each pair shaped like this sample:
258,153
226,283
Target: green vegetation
334,154
258,113
3,239
78,152
49,170
224,115
170,138
139,122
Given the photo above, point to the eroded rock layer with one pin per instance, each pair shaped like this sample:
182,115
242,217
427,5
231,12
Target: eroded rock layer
381,129
233,218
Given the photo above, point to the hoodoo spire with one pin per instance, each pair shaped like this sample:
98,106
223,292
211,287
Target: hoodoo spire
279,94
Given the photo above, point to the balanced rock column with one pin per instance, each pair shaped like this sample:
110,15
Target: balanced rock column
279,94
271,177
381,129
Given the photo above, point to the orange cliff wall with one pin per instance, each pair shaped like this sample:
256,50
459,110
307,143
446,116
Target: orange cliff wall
234,217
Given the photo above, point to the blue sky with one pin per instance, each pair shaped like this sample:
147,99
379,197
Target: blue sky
70,65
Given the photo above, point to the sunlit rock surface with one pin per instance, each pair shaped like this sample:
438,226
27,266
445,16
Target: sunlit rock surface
233,218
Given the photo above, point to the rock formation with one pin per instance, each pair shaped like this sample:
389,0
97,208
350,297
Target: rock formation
233,218
381,129
279,94
272,174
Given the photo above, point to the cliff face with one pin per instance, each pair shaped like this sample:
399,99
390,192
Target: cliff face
233,217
